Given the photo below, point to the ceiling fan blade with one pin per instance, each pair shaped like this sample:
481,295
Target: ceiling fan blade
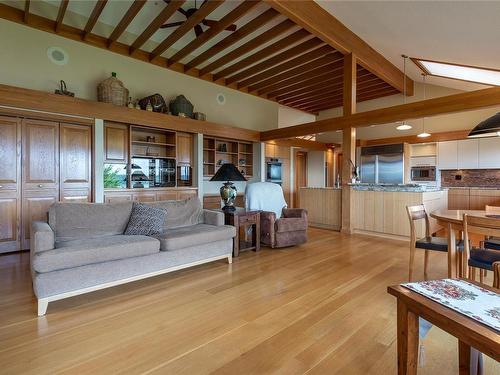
198,30
172,24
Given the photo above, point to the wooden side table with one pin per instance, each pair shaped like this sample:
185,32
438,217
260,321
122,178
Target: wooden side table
242,219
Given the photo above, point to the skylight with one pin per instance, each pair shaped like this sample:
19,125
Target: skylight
460,72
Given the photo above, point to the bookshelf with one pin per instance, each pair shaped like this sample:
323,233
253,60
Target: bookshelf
218,151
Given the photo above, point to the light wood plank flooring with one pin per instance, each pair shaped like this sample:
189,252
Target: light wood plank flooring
321,308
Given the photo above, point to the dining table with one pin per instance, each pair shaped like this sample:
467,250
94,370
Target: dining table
452,220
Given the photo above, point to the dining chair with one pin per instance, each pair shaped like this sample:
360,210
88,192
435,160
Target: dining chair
492,242
427,243
481,257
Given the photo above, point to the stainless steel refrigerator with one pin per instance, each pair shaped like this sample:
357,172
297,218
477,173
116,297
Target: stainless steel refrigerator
382,164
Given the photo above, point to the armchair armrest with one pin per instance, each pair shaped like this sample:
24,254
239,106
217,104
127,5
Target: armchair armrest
42,237
213,217
291,224
295,212
267,230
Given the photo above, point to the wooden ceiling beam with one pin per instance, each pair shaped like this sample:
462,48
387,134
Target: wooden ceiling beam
302,143
222,24
263,53
127,18
27,4
94,16
319,22
299,71
60,14
261,71
461,102
288,65
234,37
167,12
334,85
350,86
198,16
248,46
332,69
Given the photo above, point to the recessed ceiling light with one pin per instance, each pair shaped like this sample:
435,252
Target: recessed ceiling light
468,73
403,126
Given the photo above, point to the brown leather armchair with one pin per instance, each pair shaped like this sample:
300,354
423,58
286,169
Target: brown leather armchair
289,230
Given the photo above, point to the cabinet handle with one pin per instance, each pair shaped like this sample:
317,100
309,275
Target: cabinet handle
40,185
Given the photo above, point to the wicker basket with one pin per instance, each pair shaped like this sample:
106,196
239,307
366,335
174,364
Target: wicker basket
111,90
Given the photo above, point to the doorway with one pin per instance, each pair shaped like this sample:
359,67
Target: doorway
300,175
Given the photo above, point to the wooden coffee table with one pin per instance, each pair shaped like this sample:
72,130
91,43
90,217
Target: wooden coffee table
242,219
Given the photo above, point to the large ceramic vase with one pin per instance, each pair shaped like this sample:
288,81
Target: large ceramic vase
228,195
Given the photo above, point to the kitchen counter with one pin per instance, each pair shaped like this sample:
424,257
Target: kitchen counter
394,187
323,205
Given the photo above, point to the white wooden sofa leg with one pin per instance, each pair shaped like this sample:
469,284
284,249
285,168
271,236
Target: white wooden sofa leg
230,259
42,306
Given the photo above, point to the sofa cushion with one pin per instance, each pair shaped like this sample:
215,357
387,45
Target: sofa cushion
146,220
179,238
75,253
181,213
72,221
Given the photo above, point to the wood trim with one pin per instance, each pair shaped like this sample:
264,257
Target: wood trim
160,19
43,302
207,8
426,108
349,92
26,11
224,22
248,46
412,139
25,113
42,101
127,18
98,8
319,22
239,34
302,143
60,14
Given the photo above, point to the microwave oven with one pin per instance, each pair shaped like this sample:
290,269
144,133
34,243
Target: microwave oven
423,173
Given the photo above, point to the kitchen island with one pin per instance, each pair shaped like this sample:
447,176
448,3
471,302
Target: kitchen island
323,206
381,209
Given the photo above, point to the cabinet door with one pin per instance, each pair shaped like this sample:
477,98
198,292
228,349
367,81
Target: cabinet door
75,157
40,155
282,152
270,150
184,148
10,152
116,143
118,197
147,196
166,195
35,207
285,176
186,194
447,155
9,221
468,154
489,152
458,199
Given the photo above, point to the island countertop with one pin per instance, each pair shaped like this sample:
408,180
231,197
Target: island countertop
407,188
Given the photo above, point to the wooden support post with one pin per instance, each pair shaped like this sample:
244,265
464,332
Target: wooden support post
348,140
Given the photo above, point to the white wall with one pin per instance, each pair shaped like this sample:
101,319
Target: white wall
24,63
316,169
289,116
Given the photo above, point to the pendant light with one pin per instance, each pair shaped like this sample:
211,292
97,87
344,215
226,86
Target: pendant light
424,134
404,125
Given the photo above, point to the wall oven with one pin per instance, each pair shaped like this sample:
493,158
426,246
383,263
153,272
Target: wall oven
273,170
423,173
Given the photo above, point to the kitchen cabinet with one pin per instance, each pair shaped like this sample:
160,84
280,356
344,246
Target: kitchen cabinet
447,155
479,198
184,148
458,199
468,154
148,195
489,152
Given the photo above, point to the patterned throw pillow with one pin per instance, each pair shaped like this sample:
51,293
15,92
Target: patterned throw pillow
146,220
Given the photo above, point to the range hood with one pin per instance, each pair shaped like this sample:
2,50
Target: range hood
487,128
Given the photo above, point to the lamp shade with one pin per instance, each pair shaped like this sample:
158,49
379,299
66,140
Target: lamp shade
487,128
228,172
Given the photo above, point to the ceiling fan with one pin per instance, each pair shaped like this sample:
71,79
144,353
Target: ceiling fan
197,28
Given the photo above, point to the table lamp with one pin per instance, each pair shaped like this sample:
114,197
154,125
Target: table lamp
228,172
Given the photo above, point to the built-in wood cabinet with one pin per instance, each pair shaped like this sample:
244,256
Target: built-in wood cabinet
10,183
116,144
282,153
458,199
481,153
218,151
472,199
147,195
184,149
43,162
213,201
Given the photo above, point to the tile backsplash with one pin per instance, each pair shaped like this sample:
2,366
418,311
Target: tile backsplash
470,178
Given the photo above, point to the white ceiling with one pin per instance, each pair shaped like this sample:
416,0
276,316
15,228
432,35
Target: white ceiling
464,32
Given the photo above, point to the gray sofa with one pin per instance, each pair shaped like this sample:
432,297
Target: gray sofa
82,248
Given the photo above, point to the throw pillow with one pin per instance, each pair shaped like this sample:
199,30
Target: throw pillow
146,220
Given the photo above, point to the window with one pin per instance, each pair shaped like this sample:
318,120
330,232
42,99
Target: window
461,72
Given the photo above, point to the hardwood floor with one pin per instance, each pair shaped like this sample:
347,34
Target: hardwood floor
321,308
